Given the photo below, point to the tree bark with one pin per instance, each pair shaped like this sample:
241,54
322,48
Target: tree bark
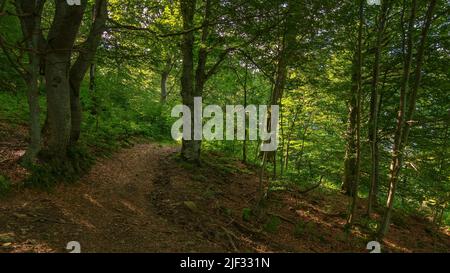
287,42
244,144
289,138
92,70
31,29
190,150
61,39
357,88
351,159
164,77
82,64
192,85
374,104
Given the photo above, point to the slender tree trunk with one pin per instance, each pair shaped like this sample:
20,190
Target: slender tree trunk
244,144
358,89
374,104
287,155
190,149
289,138
92,85
277,94
260,193
76,111
443,166
33,104
395,163
192,85
412,97
164,77
350,160
287,41
404,120
92,69
283,140
299,162
31,29
274,175
82,64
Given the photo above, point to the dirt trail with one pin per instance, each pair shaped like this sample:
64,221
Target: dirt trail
144,199
107,211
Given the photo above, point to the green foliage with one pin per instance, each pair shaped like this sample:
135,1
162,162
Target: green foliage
272,224
114,114
370,224
446,218
10,32
50,172
246,214
118,111
124,104
14,107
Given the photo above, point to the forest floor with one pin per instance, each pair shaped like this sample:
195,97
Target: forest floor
144,199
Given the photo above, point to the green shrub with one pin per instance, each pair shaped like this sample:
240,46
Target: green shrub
47,174
246,214
272,224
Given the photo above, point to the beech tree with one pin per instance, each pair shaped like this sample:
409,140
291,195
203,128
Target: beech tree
30,14
375,104
408,97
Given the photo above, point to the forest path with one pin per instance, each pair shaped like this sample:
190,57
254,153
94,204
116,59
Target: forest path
144,199
109,210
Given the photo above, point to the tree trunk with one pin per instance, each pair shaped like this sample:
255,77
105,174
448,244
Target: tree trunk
287,41
395,163
61,39
244,144
58,103
92,69
31,29
76,112
164,77
405,115
350,160
33,104
374,104
283,140
299,162
190,150
357,87
82,64
289,138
